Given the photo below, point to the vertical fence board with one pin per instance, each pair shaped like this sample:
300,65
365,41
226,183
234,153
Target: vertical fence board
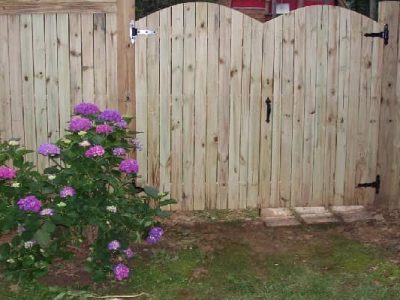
75,59
153,100
111,57
17,108
200,101
212,106
141,102
331,108
5,101
189,65
343,104
276,116
298,106
53,118
320,105
255,114
176,115
63,71
389,13
362,195
99,59
39,66
374,109
309,107
223,106
287,108
27,85
165,100
352,113
245,111
235,117
87,58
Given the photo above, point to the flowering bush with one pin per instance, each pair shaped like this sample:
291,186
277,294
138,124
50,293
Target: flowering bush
88,197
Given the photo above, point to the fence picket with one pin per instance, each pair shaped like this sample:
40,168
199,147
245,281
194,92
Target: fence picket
235,115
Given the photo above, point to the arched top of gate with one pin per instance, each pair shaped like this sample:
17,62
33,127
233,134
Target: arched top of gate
214,8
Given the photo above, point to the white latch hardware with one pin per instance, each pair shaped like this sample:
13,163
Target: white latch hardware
135,32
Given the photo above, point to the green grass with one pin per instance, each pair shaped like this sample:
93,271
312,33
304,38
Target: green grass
329,268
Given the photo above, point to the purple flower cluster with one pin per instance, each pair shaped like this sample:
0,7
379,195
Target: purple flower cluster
30,203
80,124
113,245
119,151
138,144
110,116
47,212
7,173
86,109
129,166
95,151
105,129
121,272
122,124
155,235
67,191
49,150
129,253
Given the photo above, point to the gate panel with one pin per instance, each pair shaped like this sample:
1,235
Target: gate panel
202,90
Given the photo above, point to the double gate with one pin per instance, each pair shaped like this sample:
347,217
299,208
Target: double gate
238,114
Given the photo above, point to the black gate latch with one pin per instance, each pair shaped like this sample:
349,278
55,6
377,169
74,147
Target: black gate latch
376,184
384,34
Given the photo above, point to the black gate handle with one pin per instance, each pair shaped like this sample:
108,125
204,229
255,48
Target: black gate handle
269,109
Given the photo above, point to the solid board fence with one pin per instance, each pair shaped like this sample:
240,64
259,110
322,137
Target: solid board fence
56,54
209,78
206,85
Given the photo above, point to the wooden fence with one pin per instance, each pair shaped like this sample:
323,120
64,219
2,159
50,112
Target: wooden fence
54,54
203,85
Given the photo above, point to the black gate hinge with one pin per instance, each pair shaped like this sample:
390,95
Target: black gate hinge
383,35
376,184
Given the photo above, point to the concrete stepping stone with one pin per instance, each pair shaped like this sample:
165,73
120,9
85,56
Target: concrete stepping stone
275,217
315,215
354,213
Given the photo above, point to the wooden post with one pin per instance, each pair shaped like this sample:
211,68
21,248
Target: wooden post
389,131
125,59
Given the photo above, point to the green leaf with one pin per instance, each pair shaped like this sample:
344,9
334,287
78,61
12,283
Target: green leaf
42,237
4,251
163,214
49,227
51,170
151,191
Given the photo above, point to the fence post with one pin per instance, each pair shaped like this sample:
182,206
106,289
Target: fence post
126,59
389,131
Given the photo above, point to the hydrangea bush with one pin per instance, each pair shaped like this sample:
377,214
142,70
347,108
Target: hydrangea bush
86,199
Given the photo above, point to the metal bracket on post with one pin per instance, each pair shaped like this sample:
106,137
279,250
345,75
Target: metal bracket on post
135,32
383,35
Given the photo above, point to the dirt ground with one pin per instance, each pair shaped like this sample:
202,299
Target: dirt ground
210,231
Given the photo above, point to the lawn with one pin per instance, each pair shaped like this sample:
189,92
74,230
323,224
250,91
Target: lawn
242,259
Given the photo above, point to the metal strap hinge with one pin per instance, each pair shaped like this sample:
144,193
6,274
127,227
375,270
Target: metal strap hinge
135,32
376,184
384,34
